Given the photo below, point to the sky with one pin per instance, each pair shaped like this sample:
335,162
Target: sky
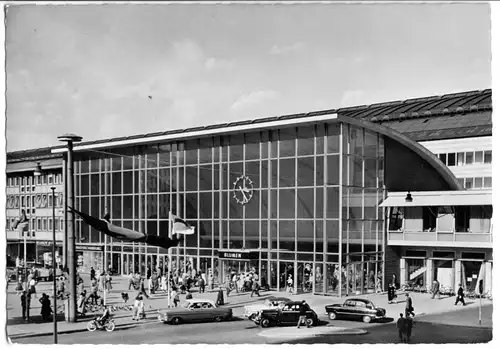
104,71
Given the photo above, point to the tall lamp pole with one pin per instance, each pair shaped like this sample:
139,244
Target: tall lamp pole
71,253
54,268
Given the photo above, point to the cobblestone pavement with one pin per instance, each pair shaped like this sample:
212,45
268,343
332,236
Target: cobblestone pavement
16,327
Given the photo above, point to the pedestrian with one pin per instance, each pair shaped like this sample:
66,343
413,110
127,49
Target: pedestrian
93,292
460,295
92,274
435,289
201,284
45,308
210,282
31,286
154,282
163,283
255,289
409,306
409,325
102,281
302,314
60,288
24,302
135,309
81,303
131,281
142,289
401,326
28,305
175,297
141,311
289,283
108,282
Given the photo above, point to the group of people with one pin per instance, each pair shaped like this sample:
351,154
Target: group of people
244,282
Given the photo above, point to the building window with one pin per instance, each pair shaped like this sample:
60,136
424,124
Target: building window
9,182
469,158
33,201
39,224
8,224
429,216
487,157
460,159
29,181
473,255
478,182
443,254
50,224
23,183
44,224
442,157
61,224
44,179
50,200
452,159
39,180
478,157
487,182
22,201
462,219
50,179
468,183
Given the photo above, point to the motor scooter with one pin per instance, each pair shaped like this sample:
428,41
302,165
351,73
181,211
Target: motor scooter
109,325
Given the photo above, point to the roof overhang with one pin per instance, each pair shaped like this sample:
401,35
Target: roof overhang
439,198
181,135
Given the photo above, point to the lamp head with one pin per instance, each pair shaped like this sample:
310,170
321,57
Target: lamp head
408,197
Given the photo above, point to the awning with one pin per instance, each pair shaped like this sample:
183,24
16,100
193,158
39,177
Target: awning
439,198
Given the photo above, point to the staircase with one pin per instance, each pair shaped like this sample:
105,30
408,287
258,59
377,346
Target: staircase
418,272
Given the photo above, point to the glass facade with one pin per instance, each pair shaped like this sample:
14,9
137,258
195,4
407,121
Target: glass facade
303,199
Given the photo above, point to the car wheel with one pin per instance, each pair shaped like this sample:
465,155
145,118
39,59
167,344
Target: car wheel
309,322
367,319
264,323
332,315
218,318
176,321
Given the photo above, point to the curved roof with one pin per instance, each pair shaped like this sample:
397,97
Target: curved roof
420,118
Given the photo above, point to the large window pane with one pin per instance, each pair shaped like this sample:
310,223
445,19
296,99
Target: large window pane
320,170
152,181
287,203
287,142
319,202
252,171
287,235
370,203
116,207
287,172
128,201
332,138
332,236
252,146
205,207
163,179
252,207
469,158
370,144
333,169
94,184
320,239
355,203
305,139
332,202
478,157
192,206
320,138
236,148
84,184
191,152
116,179
487,157
128,182
305,234
305,203
305,171
205,178
205,150
370,173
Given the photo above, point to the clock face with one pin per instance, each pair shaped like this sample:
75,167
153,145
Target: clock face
242,189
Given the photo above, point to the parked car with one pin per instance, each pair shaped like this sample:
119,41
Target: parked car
287,315
196,310
355,308
250,311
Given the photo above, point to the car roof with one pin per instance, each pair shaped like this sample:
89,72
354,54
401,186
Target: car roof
279,299
294,302
359,300
196,300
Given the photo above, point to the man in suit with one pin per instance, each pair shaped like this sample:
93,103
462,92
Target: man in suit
435,289
460,295
409,306
400,325
23,304
302,314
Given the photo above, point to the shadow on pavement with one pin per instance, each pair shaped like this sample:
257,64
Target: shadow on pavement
385,320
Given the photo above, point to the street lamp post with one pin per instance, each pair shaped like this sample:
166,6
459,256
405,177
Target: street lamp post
54,268
71,255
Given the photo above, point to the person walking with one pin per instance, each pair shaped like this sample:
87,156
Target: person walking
135,309
409,325
92,274
255,289
24,303
435,289
93,292
81,303
289,283
460,295
163,283
400,325
45,308
108,282
201,284
409,306
302,315
175,297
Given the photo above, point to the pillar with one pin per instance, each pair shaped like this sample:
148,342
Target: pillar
488,275
429,275
458,273
402,271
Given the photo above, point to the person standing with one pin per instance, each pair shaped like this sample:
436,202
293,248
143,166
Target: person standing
400,325
302,315
24,303
435,289
460,295
409,306
201,284
102,281
31,286
409,325
135,309
175,297
45,309
28,305
108,282
92,274
131,281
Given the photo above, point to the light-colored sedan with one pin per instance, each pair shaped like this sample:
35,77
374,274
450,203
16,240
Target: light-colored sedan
250,311
196,310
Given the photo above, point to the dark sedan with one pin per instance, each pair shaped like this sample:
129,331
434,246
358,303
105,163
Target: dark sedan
355,308
287,315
